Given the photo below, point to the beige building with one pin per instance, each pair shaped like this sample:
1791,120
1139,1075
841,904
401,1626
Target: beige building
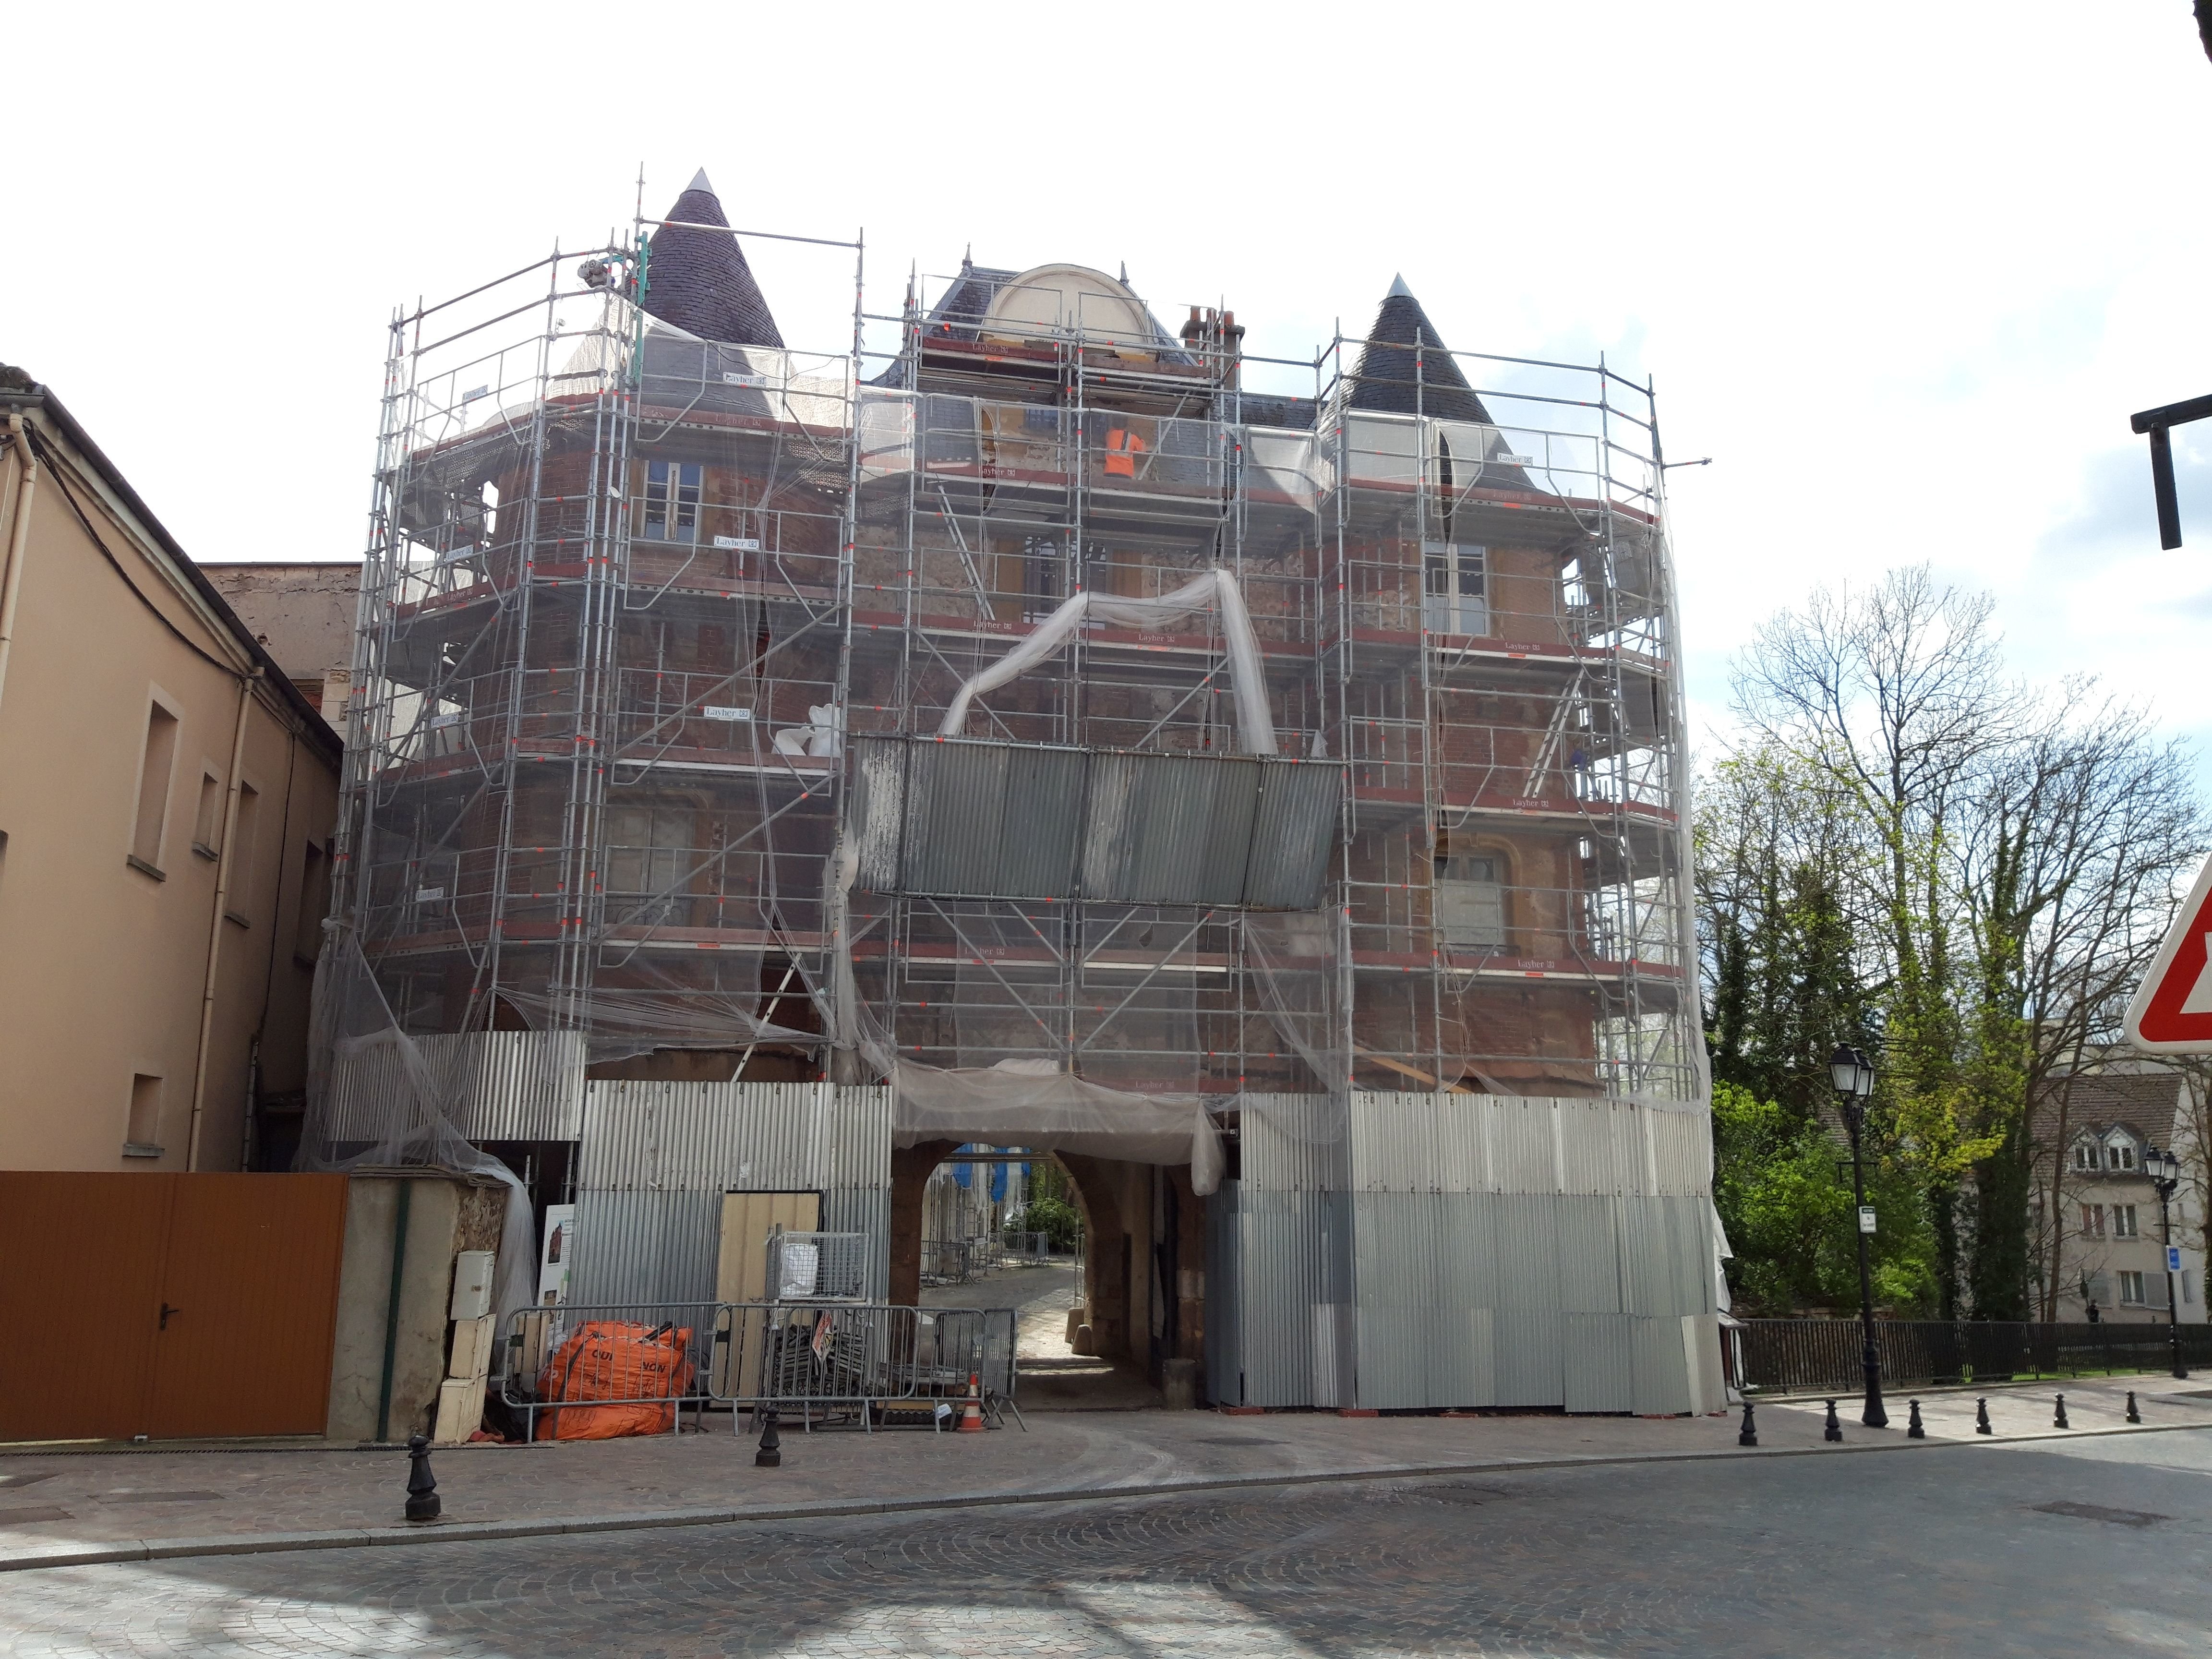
2105,1224
167,800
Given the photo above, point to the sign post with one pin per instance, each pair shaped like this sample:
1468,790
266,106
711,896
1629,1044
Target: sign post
2171,1013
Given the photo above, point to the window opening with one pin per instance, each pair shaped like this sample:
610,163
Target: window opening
1455,587
672,491
2131,1288
2122,1155
1471,902
207,823
314,899
142,1133
154,766
2124,1221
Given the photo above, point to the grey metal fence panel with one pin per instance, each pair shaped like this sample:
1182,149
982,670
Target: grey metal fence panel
1295,1142
1599,1363
1524,1155
1658,1366
490,1085
1683,1150
957,808
1045,795
1589,1247
1293,828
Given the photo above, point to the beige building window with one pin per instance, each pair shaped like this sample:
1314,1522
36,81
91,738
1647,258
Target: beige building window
207,823
2121,1155
141,1134
242,854
314,899
2131,1289
154,766
2093,1220
2124,1221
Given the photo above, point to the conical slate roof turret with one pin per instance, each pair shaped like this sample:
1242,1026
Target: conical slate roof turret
1386,374
698,280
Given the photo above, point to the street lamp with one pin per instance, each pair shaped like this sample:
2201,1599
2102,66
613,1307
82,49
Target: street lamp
1852,1073
2164,1170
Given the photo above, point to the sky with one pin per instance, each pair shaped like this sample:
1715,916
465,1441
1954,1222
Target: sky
1902,270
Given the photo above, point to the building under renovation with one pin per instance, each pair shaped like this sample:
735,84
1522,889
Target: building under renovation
1025,721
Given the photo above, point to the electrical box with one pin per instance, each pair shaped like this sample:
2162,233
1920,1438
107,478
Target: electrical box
472,1344
460,1410
472,1285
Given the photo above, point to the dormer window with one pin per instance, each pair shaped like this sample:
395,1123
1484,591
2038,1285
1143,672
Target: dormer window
2085,1155
2120,1155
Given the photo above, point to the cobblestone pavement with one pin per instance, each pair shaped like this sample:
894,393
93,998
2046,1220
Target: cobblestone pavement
2092,1545
58,1500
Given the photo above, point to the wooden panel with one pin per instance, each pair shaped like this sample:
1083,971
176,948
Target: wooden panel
253,1275
747,1219
741,1269
80,1301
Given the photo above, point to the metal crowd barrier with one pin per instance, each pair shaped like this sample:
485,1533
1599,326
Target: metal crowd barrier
547,1348
826,1361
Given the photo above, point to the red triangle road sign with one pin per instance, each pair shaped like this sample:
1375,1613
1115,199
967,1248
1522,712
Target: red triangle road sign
2171,1013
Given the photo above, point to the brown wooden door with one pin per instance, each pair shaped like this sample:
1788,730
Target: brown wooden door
80,1287
251,1282
168,1305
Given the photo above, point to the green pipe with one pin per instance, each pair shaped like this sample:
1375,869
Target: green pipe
392,1311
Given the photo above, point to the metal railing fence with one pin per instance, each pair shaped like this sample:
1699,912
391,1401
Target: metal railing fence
824,1360
637,1359
1782,1355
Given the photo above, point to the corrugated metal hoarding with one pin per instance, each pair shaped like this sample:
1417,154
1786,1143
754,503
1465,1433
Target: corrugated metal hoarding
657,1157
962,817
492,1086
1503,1251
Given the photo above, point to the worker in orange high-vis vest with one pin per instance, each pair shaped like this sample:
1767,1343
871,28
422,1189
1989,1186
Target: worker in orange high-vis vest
1122,448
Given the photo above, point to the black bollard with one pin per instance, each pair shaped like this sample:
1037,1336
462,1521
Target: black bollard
2134,1415
1914,1430
770,1454
423,1503
1748,1435
1982,1418
2059,1421
1832,1430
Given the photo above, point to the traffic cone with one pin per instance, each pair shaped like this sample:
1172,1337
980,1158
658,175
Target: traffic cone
971,1413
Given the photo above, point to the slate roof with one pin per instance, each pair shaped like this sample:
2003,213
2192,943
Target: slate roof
700,282
2149,1103
1385,379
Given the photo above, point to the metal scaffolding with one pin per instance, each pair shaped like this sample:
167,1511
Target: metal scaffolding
651,624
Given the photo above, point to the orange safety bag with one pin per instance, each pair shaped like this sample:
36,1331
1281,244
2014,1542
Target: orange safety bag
643,1366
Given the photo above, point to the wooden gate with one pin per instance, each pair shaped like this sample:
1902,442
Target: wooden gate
168,1305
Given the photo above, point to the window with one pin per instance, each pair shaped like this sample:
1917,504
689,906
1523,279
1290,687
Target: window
241,852
1455,594
649,848
1471,902
2189,1287
2093,1220
2121,1155
2085,1155
2131,1289
142,1133
672,490
155,767
207,822
314,899
2124,1221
